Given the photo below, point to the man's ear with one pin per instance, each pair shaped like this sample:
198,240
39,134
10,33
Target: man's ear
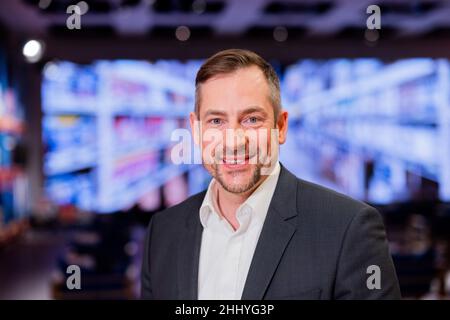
195,127
282,125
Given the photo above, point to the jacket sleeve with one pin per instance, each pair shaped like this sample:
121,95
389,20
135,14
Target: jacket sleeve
146,288
365,269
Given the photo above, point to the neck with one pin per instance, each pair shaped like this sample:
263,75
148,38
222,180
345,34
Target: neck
229,202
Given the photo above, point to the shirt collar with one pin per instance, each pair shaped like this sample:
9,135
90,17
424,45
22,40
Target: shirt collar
258,202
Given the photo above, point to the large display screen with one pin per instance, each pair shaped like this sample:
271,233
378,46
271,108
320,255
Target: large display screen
107,133
375,130
13,182
378,131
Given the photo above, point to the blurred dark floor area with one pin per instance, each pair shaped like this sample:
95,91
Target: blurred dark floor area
419,240
106,248
27,265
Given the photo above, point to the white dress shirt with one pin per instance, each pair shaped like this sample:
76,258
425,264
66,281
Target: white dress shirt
226,254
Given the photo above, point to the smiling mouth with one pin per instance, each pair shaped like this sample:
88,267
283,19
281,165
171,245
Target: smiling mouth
236,160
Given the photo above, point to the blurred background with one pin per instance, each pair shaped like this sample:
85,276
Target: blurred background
86,116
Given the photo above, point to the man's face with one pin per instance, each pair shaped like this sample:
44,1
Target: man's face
236,121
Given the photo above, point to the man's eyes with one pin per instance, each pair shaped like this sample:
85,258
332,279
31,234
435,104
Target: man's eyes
215,121
252,120
249,120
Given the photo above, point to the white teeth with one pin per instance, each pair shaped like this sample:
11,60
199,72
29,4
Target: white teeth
234,161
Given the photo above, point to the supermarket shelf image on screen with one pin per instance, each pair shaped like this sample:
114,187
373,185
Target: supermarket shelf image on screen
375,130
13,181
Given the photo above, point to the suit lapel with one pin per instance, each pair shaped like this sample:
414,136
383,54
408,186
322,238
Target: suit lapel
277,231
189,252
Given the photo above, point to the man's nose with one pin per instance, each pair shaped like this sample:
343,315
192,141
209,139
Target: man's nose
235,131
234,139
234,125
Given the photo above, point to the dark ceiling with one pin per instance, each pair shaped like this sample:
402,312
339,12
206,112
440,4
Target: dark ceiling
206,18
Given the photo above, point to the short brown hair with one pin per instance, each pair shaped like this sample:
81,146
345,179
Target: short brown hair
231,60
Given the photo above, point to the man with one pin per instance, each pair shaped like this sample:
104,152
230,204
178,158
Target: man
259,232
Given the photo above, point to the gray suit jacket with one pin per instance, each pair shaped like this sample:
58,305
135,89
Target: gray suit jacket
315,244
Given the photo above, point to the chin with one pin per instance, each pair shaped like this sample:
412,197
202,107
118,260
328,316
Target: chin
238,181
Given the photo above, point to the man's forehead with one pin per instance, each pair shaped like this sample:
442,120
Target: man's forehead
235,92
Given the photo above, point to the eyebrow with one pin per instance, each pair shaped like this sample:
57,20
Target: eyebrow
253,109
249,110
214,113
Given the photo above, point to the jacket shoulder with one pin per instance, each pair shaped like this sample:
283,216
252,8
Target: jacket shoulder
327,203
178,213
